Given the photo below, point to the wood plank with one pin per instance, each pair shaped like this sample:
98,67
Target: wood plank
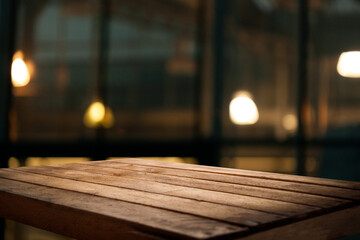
138,201
334,225
250,181
281,195
85,216
241,172
234,215
144,184
60,220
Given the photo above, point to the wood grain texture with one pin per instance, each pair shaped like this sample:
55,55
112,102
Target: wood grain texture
97,176
235,215
82,215
320,190
240,172
61,220
334,225
139,172
143,199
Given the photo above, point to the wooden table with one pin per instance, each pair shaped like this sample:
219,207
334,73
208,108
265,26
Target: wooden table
144,199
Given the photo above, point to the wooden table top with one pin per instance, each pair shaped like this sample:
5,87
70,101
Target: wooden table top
145,199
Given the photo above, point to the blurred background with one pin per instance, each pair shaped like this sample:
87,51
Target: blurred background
269,85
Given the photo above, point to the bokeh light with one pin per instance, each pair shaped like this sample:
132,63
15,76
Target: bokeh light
349,64
20,75
243,110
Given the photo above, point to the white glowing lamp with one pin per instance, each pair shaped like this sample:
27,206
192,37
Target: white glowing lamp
349,64
20,75
243,110
97,114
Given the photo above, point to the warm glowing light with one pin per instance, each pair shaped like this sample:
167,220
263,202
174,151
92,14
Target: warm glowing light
108,120
38,161
97,111
19,71
98,115
243,110
13,162
289,122
94,114
18,54
349,64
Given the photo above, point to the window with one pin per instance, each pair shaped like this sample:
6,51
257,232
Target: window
157,78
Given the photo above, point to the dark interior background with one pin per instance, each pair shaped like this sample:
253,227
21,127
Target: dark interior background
167,70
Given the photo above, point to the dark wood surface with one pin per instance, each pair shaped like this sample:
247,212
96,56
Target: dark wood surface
144,199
